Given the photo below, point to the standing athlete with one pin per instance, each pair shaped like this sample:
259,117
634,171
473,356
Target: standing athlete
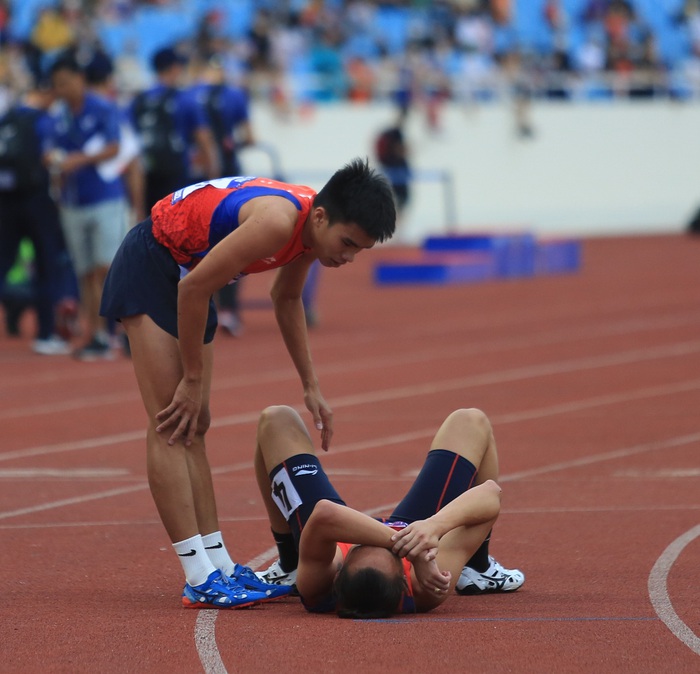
160,286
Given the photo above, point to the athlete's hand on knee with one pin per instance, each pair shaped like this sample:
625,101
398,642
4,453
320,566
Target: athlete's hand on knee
183,413
421,536
323,415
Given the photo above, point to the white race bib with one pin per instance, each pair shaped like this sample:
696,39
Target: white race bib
284,494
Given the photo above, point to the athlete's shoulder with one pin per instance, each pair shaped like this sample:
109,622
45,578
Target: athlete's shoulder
299,191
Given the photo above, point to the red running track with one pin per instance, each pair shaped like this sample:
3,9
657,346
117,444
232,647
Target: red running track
592,383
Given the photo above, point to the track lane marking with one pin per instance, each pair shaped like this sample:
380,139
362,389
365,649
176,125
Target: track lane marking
604,328
395,439
502,377
657,586
423,355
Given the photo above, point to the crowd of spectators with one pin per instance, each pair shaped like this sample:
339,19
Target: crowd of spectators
299,51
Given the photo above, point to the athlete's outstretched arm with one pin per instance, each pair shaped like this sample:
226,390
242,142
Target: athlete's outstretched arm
289,311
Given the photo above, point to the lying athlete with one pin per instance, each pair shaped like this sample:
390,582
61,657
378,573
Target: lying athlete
409,562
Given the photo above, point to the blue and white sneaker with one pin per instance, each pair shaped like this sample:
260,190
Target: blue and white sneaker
246,577
218,591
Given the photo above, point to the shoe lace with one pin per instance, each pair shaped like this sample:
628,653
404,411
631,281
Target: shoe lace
245,572
229,586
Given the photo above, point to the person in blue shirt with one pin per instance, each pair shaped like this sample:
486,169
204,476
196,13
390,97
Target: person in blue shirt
172,125
28,214
227,110
228,113
99,73
85,137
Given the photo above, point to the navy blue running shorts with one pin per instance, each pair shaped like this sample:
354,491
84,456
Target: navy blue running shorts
143,279
298,484
443,477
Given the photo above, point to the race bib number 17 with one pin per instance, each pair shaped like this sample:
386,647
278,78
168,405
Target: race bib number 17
284,494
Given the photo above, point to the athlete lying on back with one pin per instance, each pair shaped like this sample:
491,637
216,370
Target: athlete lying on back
410,562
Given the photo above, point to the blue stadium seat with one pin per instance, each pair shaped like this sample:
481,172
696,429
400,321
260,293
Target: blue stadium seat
116,36
24,13
361,45
160,27
391,28
533,33
239,16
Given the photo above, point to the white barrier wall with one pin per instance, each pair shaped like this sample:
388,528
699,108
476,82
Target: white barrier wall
590,169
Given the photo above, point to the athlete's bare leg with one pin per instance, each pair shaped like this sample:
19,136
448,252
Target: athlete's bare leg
468,432
179,476
281,434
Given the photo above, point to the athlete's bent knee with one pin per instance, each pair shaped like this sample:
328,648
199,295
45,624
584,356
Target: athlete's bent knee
471,417
493,495
277,416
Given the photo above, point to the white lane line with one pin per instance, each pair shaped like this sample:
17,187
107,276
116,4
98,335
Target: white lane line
386,360
52,505
497,420
606,456
119,523
658,590
205,626
64,473
519,374
205,641
76,445
663,474
609,326
263,518
67,405
427,388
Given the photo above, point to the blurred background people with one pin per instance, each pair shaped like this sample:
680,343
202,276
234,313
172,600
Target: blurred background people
391,152
30,230
228,114
171,124
85,136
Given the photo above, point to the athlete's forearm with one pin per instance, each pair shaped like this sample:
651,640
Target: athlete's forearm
289,312
192,311
332,522
475,506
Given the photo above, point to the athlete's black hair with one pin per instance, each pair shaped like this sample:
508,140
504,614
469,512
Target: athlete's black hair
368,593
66,61
358,194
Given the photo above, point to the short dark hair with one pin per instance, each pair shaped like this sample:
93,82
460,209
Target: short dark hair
166,58
360,195
66,61
368,593
99,68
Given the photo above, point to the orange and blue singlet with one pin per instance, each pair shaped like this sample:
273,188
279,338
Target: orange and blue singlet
192,220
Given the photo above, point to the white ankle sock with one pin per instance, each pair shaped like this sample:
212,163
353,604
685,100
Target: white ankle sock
218,554
194,559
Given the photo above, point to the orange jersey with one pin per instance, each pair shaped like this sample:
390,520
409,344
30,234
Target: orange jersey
191,221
